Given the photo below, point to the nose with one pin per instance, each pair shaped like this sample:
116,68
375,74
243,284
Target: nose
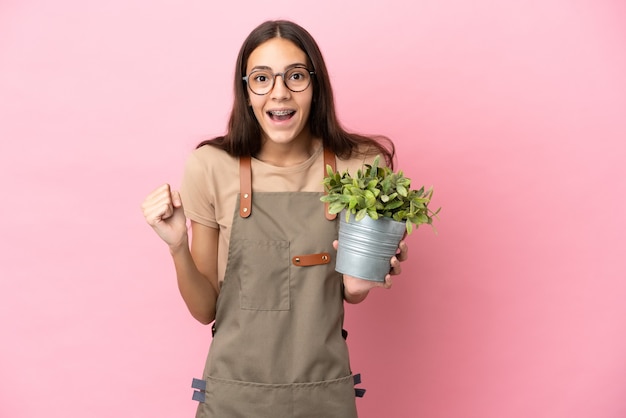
280,90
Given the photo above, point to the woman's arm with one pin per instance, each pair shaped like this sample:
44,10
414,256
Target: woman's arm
196,269
196,272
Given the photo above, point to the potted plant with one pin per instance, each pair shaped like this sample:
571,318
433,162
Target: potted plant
378,207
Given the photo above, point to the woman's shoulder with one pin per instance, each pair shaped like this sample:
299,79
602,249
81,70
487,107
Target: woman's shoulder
210,153
364,154
206,187
210,158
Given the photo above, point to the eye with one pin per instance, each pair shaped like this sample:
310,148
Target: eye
298,74
260,77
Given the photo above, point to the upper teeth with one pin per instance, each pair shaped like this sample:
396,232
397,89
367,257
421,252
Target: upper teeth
280,112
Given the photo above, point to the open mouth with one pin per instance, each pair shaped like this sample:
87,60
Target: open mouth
281,115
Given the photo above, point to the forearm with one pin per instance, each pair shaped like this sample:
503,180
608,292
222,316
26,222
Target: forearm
196,289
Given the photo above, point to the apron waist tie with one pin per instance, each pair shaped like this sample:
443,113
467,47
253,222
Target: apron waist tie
198,395
358,392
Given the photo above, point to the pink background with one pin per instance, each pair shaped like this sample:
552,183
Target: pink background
514,111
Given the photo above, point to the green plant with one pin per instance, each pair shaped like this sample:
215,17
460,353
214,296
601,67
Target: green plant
378,192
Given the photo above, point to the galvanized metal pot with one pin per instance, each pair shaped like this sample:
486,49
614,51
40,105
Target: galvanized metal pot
366,247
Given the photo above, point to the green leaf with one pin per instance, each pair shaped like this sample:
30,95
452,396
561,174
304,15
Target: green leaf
360,214
394,204
336,207
409,227
375,164
422,219
370,199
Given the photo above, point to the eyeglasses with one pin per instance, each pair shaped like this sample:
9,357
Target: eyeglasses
296,79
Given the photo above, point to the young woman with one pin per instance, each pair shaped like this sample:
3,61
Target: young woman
261,265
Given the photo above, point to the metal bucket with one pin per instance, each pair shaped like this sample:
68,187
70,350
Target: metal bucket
366,247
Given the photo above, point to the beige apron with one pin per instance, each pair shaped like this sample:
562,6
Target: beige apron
278,350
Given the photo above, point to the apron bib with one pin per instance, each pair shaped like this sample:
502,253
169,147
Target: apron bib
278,350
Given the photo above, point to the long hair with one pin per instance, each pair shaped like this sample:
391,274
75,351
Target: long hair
243,137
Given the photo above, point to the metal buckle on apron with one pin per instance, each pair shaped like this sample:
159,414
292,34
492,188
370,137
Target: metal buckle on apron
358,392
198,395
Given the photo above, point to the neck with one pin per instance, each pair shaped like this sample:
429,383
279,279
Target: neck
290,154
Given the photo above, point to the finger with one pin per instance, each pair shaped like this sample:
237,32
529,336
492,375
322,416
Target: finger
387,283
160,208
157,201
164,188
176,200
162,194
157,198
156,214
403,255
335,244
396,266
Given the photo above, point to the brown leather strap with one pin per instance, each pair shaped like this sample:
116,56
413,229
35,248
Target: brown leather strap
245,187
311,259
329,159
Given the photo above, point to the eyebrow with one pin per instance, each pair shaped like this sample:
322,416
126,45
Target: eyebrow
289,67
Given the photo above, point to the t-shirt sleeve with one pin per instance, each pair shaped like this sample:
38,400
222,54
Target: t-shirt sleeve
365,155
198,202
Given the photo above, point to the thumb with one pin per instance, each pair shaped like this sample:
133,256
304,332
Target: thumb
176,200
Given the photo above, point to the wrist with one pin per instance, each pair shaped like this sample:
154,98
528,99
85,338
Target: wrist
182,245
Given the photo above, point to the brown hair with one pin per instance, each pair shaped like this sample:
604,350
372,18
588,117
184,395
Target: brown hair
244,133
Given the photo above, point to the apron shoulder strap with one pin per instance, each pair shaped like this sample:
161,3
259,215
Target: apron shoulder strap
245,186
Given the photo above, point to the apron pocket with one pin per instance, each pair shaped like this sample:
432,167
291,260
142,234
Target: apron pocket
235,399
264,277
328,399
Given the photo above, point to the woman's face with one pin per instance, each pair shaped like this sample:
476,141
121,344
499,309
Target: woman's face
282,114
